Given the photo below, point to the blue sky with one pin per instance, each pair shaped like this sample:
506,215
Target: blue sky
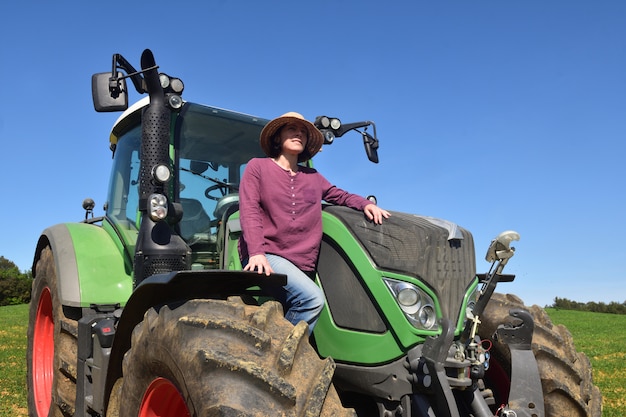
495,115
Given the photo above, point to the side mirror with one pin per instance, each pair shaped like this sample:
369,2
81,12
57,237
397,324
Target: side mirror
109,93
371,147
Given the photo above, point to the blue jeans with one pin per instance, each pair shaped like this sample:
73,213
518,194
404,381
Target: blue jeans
301,297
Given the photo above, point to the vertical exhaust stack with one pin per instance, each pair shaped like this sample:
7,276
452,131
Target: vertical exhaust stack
158,249
155,130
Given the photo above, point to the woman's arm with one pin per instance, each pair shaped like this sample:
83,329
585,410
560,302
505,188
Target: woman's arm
336,195
251,218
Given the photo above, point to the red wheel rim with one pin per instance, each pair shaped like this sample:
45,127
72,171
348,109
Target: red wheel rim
499,381
162,399
43,354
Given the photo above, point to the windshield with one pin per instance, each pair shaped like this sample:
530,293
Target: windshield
211,149
213,146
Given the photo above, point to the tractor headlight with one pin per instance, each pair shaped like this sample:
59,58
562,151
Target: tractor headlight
164,79
416,304
161,173
409,300
157,207
428,317
325,122
175,101
177,85
171,84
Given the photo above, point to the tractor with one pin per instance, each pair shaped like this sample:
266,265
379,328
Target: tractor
146,311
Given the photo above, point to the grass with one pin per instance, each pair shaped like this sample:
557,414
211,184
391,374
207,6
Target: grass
13,323
600,336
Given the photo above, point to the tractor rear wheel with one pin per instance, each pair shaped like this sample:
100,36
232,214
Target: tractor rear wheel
223,358
52,345
566,374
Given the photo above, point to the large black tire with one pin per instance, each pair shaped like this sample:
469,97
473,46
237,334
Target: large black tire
566,374
52,345
223,358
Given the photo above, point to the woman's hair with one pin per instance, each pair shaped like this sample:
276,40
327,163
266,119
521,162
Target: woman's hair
275,147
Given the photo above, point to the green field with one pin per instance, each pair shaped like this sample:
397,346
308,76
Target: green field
601,336
13,323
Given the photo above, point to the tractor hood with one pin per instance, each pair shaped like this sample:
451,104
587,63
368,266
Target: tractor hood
436,252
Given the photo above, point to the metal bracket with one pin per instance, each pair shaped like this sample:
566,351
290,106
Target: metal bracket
526,393
435,352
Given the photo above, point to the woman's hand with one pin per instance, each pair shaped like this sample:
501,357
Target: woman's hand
260,264
375,213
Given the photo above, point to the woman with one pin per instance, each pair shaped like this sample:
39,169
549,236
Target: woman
281,213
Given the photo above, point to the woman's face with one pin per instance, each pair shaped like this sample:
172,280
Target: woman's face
293,138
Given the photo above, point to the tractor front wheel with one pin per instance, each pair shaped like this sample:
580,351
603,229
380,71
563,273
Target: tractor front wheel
223,358
566,375
52,344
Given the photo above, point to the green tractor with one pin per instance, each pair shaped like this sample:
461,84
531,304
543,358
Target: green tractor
146,311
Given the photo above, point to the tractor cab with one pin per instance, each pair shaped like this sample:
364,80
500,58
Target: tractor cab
209,149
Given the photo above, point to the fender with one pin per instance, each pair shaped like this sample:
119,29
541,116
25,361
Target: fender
89,266
160,289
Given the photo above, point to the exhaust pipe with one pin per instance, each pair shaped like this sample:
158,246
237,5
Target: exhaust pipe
159,249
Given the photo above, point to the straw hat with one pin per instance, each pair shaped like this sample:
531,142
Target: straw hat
314,140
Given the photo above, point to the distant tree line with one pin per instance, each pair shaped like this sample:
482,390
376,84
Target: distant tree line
612,307
15,286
